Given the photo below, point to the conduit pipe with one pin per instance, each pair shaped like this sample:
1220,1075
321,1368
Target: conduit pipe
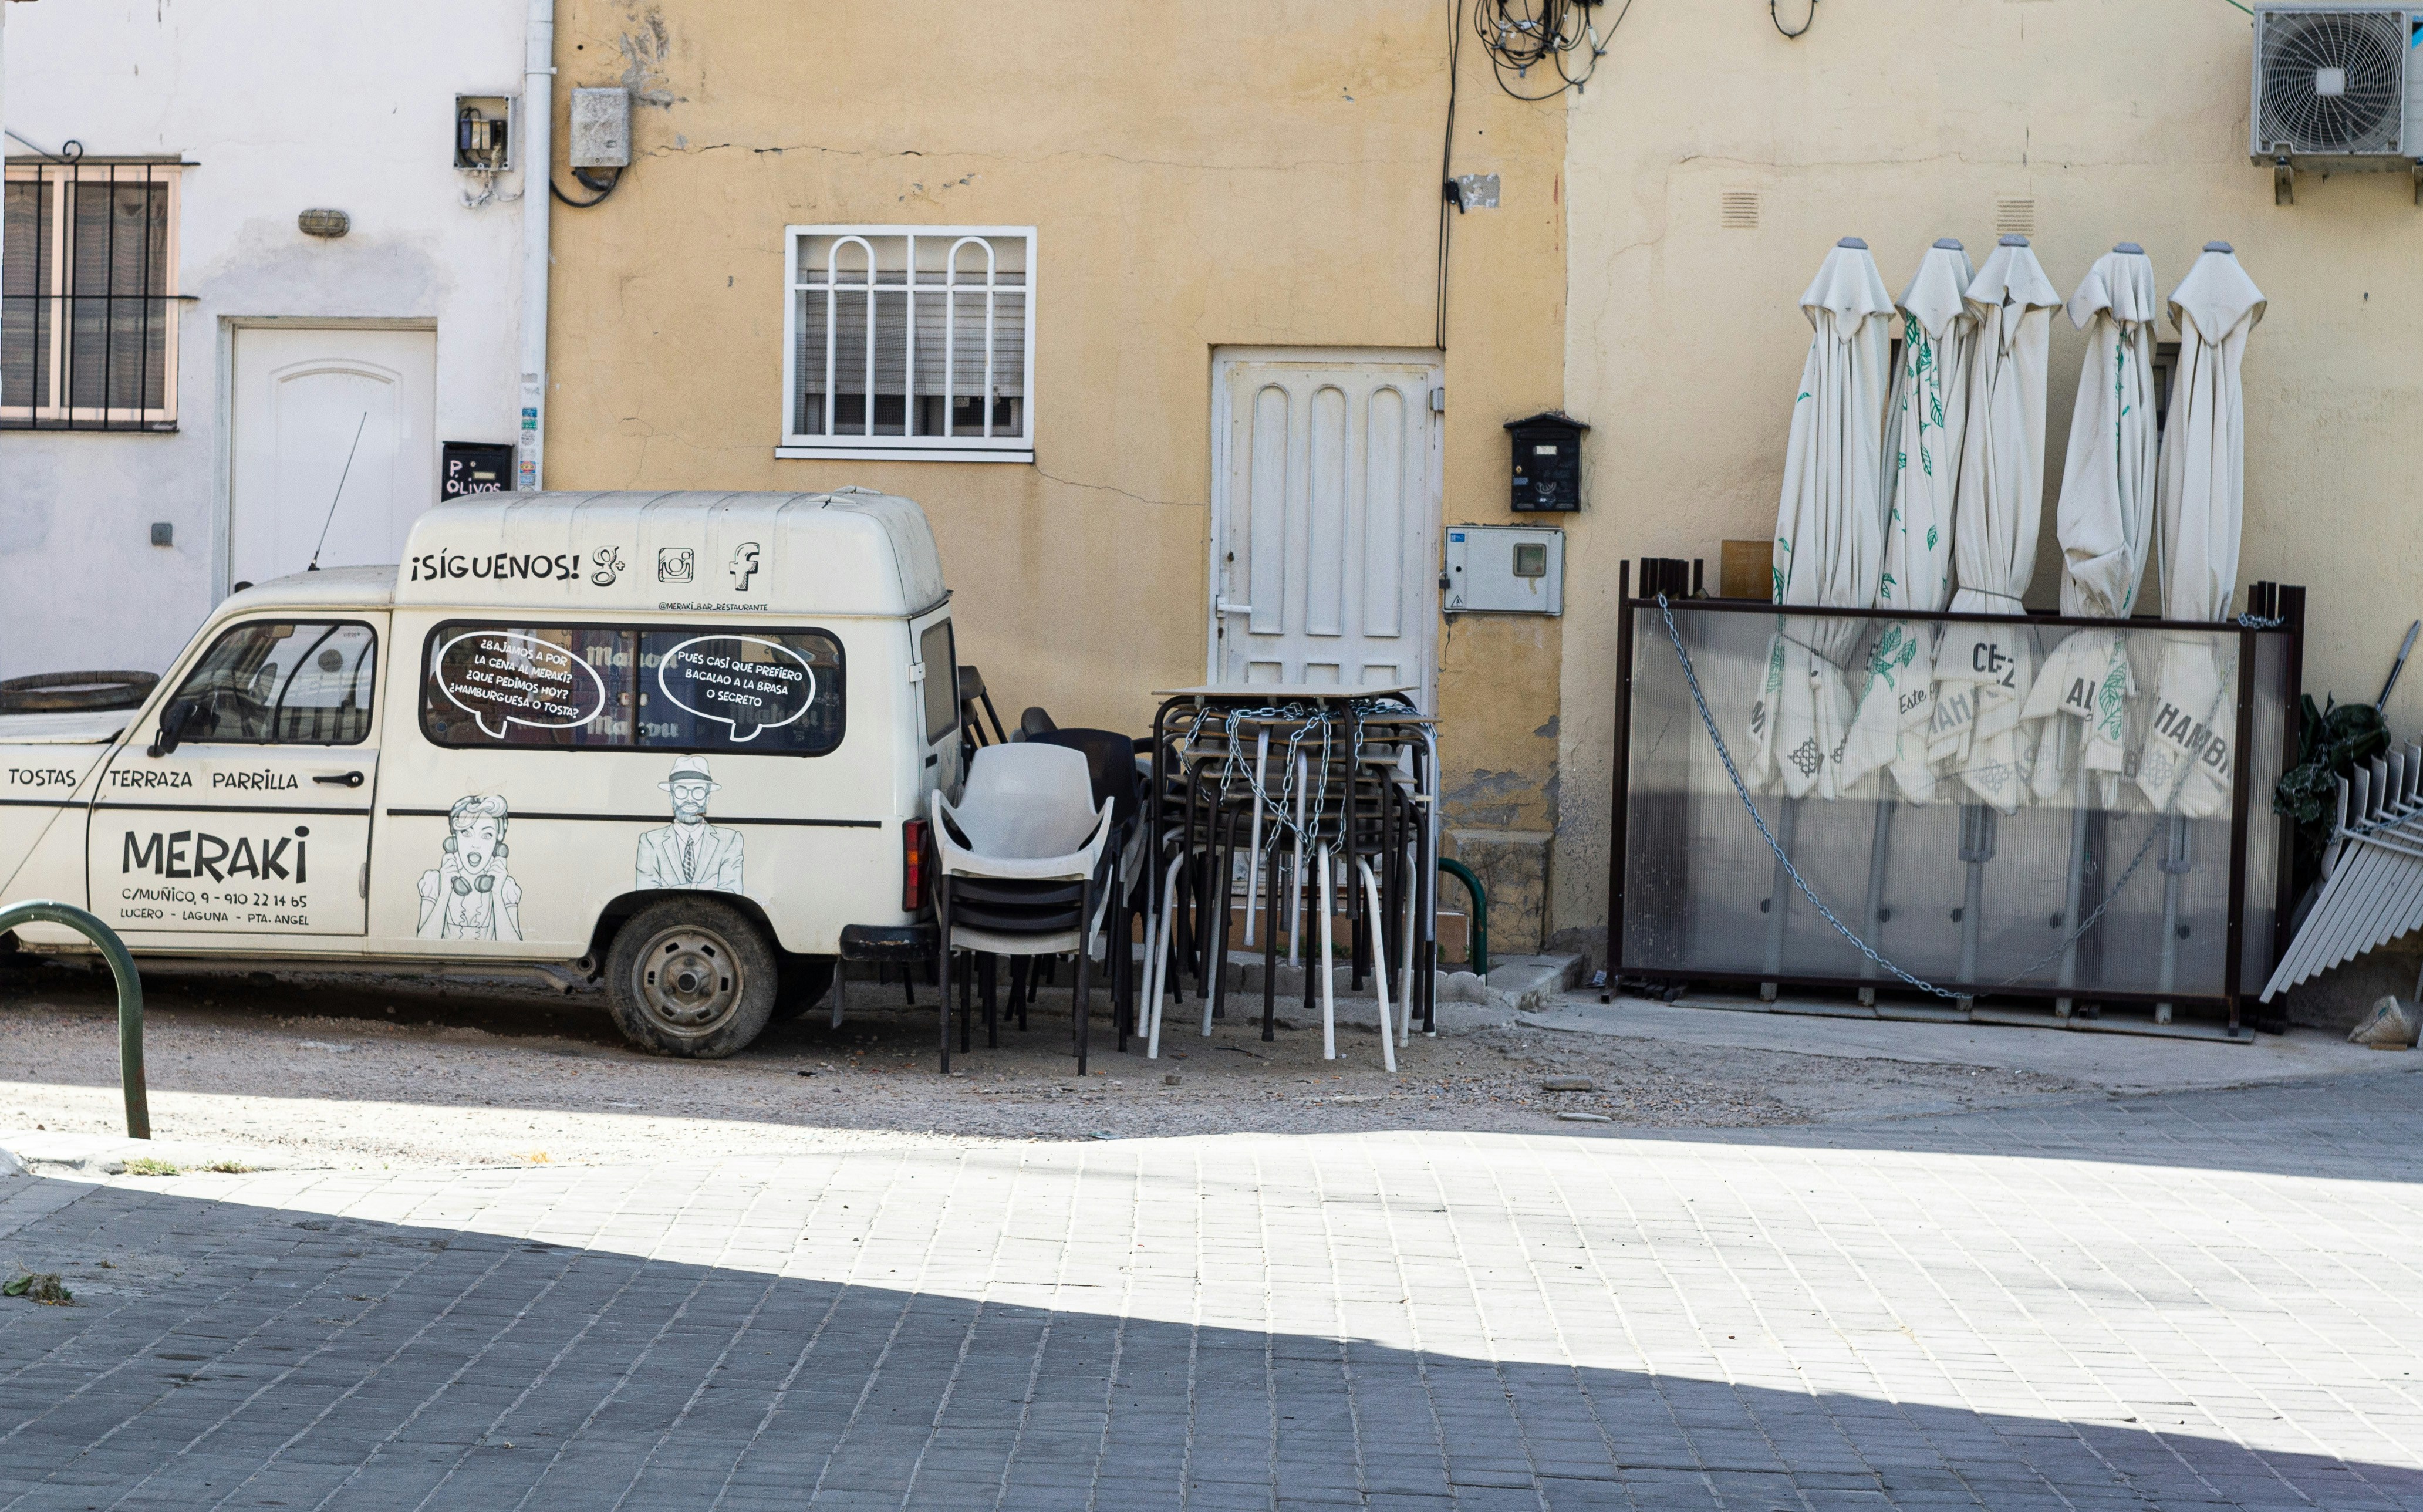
538,174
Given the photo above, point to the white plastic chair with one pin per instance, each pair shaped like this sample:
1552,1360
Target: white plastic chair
1023,834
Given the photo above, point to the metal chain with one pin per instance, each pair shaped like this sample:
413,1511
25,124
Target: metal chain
1691,675
1309,719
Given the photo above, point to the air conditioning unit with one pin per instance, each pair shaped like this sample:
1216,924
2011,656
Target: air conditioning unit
2335,89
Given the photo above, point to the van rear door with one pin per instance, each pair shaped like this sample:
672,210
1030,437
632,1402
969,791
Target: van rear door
257,823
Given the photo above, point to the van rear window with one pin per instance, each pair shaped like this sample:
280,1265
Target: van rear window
761,691
941,663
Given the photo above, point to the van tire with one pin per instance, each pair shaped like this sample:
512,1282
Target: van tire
690,977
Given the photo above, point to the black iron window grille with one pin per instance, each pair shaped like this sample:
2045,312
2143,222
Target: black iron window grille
87,297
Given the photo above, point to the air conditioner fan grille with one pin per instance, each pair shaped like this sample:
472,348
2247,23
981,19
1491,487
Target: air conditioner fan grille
2333,81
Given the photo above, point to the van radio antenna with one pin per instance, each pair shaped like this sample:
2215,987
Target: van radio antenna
341,486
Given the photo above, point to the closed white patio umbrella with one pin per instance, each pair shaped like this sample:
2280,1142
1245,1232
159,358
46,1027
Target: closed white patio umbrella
1828,525
2105,520
1828,543
2106,525
2202,501
2185,769
1983,675
1924,425
1924,422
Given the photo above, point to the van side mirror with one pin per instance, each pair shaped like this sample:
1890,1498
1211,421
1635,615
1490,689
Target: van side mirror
172,729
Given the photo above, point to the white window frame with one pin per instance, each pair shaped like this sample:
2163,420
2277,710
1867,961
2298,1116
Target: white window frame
866,446
54,180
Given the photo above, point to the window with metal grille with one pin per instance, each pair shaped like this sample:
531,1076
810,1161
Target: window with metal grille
908,341
87,297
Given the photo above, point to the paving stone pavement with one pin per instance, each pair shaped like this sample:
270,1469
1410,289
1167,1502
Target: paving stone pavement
2192,1301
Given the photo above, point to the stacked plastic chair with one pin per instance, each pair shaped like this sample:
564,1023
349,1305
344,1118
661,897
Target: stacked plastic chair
1026,869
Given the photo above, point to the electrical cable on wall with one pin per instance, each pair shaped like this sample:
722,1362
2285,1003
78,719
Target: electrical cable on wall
589,180
1806,22
1450,195
1523,35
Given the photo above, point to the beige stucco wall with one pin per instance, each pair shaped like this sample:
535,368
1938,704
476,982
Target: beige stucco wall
1263,173
2123,120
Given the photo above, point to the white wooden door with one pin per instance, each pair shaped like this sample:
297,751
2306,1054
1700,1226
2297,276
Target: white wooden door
300,395
1325,501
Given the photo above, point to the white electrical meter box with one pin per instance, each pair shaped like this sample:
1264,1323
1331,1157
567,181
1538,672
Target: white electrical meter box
1505,569
601,129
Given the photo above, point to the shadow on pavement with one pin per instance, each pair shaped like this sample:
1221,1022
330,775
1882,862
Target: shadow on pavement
259,1359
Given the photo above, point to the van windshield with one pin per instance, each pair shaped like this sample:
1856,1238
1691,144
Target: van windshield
771,692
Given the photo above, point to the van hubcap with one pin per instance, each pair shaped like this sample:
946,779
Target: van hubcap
690,981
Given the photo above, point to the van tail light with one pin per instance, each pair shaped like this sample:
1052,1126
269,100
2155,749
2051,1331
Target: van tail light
912,866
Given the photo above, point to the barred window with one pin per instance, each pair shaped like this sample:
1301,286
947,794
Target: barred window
87,297
909,342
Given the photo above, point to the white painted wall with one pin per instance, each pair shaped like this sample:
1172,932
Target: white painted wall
285,104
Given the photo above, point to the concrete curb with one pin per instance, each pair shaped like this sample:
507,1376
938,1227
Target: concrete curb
95,1156
1516,985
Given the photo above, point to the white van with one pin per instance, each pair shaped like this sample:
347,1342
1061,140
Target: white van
683,740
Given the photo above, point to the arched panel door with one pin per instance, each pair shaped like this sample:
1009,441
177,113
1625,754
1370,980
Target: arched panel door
302,397
1325,499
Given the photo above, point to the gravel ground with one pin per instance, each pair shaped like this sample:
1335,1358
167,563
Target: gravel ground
348,1072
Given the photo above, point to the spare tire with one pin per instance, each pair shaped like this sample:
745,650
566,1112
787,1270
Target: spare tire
76,692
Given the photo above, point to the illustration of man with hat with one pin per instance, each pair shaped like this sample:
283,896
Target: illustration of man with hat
690,852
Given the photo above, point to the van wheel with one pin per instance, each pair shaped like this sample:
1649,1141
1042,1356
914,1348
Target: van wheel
690,977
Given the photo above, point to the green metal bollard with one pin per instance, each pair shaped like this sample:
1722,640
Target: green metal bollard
1480,912
130,995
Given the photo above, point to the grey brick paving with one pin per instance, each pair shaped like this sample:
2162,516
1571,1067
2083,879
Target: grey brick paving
2211,1301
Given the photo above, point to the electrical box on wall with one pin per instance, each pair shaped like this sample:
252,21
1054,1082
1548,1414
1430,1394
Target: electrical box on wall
1547,462
1505,569
483,132
601,129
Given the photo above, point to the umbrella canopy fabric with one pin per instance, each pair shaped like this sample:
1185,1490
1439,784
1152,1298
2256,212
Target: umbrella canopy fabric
1984,674
2201,493
1828,523
2105,519
1924,425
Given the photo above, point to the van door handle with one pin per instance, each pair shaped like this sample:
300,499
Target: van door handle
348,779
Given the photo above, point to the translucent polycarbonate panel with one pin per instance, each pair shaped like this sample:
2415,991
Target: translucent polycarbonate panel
1957,794
2266,756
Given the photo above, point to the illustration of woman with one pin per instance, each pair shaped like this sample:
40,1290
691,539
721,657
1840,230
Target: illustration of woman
468,894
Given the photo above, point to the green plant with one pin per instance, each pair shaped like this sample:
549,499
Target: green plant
37,1288
2332,739
144,1165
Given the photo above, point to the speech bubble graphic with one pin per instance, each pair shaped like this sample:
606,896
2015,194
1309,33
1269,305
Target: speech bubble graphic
710,676
503,677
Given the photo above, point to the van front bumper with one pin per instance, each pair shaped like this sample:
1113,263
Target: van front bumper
889,942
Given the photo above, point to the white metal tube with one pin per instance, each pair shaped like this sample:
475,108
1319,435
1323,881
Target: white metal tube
1405,955
1378,962
538,178
1328,985
1296,879
1157,934
4,122
1254,847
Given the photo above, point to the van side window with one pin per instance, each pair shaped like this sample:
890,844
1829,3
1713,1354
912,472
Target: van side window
280,682
492,685
756,691
940,657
